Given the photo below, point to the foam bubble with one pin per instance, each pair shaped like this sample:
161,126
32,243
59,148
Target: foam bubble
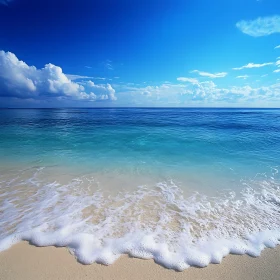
153,222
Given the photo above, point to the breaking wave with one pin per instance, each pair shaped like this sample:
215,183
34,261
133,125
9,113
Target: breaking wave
151,222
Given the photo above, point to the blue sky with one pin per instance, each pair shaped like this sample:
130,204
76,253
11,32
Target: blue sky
140,53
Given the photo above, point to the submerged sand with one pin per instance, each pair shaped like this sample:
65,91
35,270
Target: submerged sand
27,262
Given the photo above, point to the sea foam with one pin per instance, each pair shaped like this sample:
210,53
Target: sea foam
152,222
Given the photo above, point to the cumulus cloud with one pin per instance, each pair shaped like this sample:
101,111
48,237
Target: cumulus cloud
189,80
18,79
210,75
164,92
173,93
201,94
106,92
253,65
261,26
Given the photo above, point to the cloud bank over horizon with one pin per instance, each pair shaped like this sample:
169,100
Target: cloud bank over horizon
19,81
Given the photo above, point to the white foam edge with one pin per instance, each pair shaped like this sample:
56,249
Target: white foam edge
88,249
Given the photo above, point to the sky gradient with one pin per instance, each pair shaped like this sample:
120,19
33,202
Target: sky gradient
179,53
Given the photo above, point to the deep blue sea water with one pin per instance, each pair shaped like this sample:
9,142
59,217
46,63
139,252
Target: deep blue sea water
182,159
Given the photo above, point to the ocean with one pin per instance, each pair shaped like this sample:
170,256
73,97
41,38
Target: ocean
185,187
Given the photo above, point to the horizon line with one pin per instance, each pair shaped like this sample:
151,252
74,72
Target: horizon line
133,107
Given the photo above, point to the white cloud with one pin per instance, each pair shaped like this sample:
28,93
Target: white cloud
105,91
243,77
17,79
189,80
210,75
278,65
253,65
73,77
172,93
261,26
163,90
201,94
277,47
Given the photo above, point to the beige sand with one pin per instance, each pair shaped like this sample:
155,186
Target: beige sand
27,262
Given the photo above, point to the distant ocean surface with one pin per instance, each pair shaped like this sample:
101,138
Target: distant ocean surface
182,186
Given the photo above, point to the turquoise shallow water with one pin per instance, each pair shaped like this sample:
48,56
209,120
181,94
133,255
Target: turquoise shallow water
167,184
231,143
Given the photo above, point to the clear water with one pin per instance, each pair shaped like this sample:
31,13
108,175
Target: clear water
178,178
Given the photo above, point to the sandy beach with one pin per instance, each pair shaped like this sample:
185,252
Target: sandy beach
27,262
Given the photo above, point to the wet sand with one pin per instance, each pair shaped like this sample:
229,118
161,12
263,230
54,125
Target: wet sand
27,262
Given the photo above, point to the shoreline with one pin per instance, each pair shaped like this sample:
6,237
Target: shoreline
28,262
